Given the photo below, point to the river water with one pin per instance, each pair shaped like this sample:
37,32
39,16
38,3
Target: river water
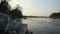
43,25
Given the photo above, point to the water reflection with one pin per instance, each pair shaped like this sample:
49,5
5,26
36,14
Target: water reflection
43,25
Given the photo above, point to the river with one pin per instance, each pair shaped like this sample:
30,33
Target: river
43,25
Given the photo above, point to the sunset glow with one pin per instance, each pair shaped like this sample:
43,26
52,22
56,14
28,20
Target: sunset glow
13,3
37,7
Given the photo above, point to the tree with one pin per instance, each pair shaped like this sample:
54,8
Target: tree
17,13
4,6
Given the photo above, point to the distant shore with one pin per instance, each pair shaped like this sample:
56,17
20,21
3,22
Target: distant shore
55,15
35,17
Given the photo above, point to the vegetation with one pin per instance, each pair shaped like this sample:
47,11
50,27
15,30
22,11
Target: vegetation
16,13
6,8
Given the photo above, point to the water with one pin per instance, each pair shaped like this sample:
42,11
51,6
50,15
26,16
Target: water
43,25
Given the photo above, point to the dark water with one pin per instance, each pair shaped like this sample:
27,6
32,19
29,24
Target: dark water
43,25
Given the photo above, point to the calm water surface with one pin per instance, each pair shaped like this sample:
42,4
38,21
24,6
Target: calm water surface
43,25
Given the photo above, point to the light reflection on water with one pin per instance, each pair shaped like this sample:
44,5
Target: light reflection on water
43,25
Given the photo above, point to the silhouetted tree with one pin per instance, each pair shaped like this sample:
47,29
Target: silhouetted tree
16,13
4,7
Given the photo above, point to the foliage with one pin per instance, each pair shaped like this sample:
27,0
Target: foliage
6,8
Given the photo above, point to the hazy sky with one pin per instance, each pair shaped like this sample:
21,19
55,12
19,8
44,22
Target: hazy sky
39,7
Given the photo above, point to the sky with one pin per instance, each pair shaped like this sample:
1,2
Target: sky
37,7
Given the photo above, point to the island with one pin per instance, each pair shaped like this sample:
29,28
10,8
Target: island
55,15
